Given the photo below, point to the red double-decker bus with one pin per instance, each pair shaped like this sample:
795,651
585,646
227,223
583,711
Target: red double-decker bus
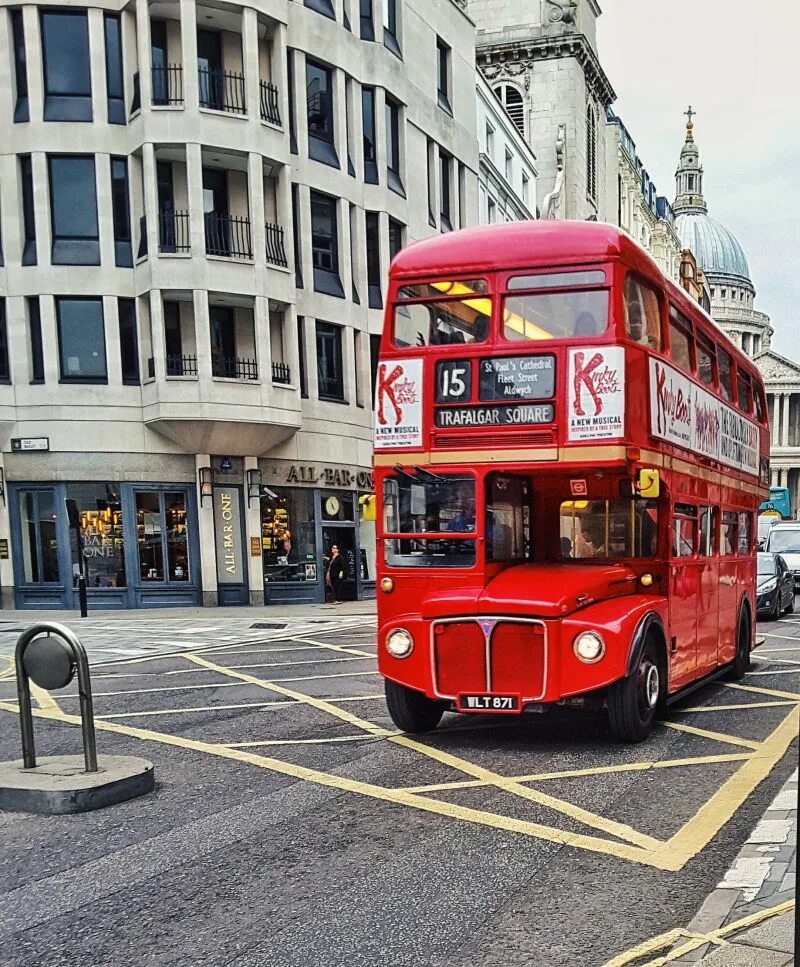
569,459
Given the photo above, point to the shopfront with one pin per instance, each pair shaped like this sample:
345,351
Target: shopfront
137,543
305,511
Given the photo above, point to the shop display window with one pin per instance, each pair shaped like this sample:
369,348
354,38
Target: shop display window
162,538
101,536
288,540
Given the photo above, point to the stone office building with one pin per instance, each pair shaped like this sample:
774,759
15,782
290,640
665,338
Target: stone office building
198,205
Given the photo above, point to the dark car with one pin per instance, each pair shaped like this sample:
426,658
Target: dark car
775,586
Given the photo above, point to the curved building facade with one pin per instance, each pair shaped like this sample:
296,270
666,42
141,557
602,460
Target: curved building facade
198,205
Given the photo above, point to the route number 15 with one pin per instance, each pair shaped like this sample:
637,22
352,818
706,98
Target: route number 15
453,380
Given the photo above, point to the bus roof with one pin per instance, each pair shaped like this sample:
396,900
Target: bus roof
515,245
524,244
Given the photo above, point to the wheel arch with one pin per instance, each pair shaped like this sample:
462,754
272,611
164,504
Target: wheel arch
650,626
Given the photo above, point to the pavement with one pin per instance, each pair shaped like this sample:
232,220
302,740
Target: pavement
292,825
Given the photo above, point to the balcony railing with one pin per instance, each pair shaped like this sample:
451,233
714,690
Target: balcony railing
173,232
228,235
281,373
270,109
276,253
181,365
227,367
142,252
168,85
221,90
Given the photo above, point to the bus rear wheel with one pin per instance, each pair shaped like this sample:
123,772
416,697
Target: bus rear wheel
634,701
412,711
742,660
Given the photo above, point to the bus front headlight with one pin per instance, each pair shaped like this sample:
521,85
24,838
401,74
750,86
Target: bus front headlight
589,647
399,643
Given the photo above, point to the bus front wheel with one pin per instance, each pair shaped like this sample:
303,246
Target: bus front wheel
742,660
412,711
634,701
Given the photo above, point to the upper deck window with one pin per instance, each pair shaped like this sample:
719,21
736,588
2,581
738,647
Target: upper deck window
706,359
642,313
680,339
441,322
556,315
745,392
725,375
557,280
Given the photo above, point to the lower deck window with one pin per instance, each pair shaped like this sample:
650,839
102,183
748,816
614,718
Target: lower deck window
608,528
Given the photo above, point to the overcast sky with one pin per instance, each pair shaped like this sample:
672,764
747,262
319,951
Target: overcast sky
736,63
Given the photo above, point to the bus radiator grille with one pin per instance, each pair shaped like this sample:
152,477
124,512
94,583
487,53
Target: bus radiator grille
460,657
518,659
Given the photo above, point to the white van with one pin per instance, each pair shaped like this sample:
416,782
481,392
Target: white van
784,539
765,523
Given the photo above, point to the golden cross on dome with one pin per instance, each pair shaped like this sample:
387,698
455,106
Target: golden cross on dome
689,126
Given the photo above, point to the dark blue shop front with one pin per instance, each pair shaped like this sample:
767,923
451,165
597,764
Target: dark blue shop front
138,542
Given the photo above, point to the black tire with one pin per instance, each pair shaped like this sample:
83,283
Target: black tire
412,711
790,605
742,660
776,610
634,701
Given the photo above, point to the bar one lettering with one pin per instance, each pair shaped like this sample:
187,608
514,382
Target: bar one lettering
229,555
330,476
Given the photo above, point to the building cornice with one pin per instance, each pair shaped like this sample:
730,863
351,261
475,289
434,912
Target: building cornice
517,56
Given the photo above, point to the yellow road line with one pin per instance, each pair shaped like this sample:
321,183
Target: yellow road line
305,661
774,671
599,771
331,647
199,708
694,940
764,691
339,738
610,826
783,661
715,736
712,815
733,708
356,698
44,699
395,796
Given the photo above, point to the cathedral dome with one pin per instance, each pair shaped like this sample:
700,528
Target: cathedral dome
716,248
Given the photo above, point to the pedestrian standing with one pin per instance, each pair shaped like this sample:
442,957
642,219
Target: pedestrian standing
336,574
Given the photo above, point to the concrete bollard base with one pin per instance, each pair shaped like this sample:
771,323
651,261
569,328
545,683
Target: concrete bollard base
59,785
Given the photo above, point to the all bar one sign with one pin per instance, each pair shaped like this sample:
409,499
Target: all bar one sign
228,535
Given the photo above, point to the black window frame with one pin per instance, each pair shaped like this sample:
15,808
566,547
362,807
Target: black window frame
35,339
445,190
128,342
5,362
369,129
21,104
296,240
373,250
325,7
390,38
79,249
115,63
88,377
443,67
66,105
326,279
394,159
322,142
330,333
396,230
291,94
121,212
28,210
302,356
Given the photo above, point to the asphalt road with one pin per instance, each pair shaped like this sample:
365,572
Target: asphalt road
291,824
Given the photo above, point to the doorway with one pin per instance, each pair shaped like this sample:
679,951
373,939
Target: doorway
343,537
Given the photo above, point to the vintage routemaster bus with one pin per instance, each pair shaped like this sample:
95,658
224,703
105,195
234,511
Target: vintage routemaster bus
569,460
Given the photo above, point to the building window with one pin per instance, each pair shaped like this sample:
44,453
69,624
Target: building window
489,139
509,166
319,101
290,84
81,340
28,217
325,244
445,191
65,61
591,153
367,22
374,260
37,518
298,254
491,211
5,368
21,110
128,342
511,99
101,530
357,343
393,146
525,188
330,372
391,37
73,210
115,85
301,350
368,127
288,535
35,339
395,238
443,64
325,7
374,357
431,173
162,536
120,207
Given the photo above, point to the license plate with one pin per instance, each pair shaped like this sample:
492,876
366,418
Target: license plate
488,702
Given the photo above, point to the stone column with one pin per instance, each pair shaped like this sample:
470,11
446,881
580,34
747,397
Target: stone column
191,97
33,59
250,64
194,192
145,55
150,197
262,339
252,516
97,65
205,527
159,347
785,421
774,421
111,333
255,194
